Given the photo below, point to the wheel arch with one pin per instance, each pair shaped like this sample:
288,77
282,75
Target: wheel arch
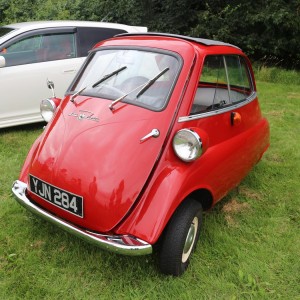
203,196
150,219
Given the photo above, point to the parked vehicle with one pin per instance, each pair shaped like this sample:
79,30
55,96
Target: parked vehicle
34,51
154,129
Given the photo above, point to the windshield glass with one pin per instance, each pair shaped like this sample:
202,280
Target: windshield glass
5,30
145,78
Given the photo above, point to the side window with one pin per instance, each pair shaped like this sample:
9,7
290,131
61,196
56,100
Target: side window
225,80
56,47
89,37
40,48
22,52
28,44
240,84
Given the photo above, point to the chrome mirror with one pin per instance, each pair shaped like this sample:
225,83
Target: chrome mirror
50,85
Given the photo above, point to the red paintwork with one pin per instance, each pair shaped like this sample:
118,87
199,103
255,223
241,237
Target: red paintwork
131,187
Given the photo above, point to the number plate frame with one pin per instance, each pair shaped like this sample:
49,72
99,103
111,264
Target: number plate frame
71,203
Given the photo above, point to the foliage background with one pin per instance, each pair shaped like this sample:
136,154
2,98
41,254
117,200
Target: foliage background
267,30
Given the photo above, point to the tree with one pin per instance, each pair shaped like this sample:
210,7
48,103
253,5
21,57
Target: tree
268,31
165,16
12,11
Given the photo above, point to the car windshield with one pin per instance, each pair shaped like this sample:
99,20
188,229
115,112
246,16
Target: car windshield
143,78
5,30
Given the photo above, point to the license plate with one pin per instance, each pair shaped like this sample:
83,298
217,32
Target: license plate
56,196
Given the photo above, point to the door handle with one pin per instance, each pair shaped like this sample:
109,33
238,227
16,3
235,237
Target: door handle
154,133
69,71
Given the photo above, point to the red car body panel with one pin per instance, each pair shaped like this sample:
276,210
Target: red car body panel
71,162
214,171
133,187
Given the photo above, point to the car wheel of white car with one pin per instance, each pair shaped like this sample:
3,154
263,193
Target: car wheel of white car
180,238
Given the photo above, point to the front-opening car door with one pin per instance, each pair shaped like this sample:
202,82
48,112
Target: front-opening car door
111,129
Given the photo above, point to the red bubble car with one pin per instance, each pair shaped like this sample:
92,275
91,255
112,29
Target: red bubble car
154,129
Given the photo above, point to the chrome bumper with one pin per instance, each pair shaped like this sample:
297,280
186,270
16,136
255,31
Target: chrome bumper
122,244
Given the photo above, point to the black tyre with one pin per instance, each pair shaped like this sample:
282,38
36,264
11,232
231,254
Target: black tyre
180,238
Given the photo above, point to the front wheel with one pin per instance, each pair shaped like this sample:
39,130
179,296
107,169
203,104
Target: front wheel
180,238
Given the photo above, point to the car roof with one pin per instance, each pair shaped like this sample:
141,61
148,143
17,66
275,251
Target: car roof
46,24
28,26
206,42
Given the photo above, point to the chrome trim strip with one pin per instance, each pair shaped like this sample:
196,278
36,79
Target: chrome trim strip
252,97
122,244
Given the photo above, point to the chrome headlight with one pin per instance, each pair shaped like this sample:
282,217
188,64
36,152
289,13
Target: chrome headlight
187,145
47,108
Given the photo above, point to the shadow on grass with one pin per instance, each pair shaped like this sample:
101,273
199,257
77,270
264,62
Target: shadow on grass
21,128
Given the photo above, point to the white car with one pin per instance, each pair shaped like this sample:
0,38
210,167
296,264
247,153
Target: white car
32,52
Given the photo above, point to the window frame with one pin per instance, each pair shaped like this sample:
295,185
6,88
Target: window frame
226,87
86,35
231,105
41,32
70,91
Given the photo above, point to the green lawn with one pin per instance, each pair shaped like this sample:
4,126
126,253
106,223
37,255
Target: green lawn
249,248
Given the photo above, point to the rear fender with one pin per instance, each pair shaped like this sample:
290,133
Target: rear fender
217,171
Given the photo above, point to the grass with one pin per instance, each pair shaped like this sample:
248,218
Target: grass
276,75
249,247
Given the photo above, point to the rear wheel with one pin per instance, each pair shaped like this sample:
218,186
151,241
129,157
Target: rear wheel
180,238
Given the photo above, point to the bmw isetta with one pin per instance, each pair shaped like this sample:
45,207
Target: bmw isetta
154,129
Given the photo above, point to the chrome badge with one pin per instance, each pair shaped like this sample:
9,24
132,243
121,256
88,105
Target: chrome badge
84,115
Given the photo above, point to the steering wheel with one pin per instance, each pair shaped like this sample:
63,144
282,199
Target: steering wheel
133,82
110,90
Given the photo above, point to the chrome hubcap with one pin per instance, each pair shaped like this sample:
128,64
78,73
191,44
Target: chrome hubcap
190,240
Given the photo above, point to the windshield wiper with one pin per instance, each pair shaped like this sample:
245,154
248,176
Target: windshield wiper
143,87
105,77
151,81
108,76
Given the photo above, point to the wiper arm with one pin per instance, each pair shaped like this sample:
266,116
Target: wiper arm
111,106
108,76
151,81
143,87
105,77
